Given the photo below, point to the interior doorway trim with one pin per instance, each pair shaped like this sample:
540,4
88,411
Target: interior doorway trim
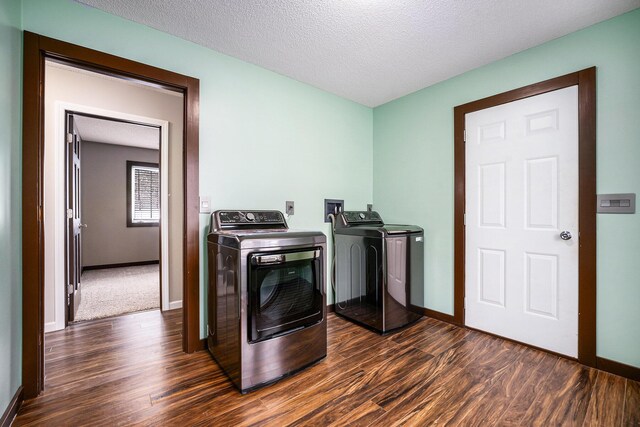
586,82
37,48
61,108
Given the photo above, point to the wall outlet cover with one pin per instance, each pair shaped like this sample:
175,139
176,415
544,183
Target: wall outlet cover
289,209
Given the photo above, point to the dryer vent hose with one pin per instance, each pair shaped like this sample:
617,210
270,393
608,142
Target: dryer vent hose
333,217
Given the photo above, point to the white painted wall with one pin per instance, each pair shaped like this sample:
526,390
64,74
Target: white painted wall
65,85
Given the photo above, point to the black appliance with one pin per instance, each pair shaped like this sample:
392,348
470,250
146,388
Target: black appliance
379,270
266,302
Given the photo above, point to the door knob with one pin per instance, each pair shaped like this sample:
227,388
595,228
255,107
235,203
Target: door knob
565,235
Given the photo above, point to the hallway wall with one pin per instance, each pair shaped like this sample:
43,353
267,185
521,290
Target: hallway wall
10,201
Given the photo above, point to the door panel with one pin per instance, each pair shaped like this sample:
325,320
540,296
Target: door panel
521,278
73,224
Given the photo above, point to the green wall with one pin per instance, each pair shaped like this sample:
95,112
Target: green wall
10,199
413,164
264,138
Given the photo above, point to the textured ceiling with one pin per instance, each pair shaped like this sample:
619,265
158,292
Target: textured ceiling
119,133
369,51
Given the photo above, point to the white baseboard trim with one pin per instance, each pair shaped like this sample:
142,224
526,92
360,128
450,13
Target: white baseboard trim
175,304
51,326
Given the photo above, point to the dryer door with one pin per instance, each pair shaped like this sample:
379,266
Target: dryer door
285,292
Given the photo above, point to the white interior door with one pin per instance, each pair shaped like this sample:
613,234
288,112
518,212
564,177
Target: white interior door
521,278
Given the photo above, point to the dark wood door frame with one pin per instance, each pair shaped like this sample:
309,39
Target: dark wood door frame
586,82
37,49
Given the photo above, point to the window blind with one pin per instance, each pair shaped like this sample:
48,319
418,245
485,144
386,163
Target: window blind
145,182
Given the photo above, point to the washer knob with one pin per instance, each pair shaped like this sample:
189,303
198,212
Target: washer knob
362,215
250,216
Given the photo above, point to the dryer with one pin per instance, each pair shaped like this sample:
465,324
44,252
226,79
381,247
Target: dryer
379,270
266,297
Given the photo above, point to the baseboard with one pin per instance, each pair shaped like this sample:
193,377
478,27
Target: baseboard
120,265
203,344
174,305
331,308
618,368
434,314
13,408
51,326
438,315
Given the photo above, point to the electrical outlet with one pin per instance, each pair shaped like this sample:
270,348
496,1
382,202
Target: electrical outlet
332,206
369,207
289,207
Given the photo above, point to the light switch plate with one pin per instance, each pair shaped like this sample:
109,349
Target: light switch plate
623,203
205,205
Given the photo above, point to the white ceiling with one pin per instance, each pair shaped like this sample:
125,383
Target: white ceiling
369,51
118,133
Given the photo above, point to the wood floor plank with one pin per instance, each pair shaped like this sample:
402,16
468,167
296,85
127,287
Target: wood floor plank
130,370
607,397
631,415
362,416
565,398
461,398
526,396
501,390
447,366
393,367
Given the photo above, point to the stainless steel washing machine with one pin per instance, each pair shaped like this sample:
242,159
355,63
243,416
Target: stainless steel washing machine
266,297
379,270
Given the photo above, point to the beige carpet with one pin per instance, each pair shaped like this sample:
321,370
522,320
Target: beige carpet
115,291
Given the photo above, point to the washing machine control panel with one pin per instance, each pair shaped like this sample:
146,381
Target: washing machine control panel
361,217
228,219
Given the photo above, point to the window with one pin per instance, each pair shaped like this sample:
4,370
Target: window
143,194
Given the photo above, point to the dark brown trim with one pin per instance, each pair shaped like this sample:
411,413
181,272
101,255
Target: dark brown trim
130,165
121,265
434,314
12,409
331,308
441,316
36,49
204,344
32,217
585,80
617,368
587,216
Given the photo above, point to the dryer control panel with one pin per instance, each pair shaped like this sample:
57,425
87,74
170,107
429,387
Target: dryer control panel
221,220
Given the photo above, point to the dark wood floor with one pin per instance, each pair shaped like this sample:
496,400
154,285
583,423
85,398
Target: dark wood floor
130,370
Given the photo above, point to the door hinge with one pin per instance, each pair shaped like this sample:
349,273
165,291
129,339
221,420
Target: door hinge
69,213
464,135
464,219
70,288
69,138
